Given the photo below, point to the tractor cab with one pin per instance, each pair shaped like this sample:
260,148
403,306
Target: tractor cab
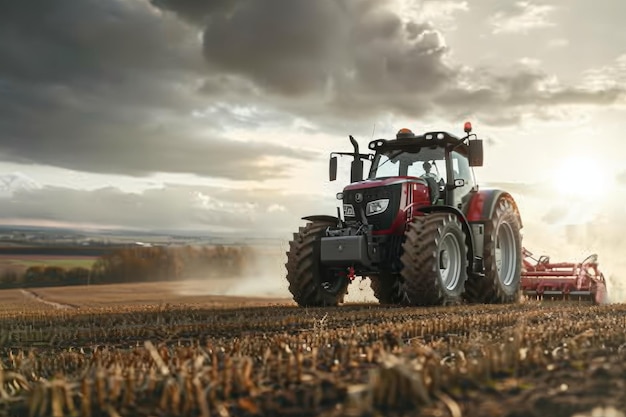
438,158
408,173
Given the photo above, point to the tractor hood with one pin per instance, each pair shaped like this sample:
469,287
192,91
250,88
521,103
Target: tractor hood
380,182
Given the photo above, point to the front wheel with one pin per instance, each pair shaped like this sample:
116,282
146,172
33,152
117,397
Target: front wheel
434,260
310,283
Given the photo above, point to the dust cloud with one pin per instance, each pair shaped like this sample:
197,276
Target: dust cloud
261,276
264,275
604,234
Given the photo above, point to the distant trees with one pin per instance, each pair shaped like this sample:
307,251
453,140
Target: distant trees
140,264
167,263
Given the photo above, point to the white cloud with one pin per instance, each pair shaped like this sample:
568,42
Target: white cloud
523,17
608,76
442,13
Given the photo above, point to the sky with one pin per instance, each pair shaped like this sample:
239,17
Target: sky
219,115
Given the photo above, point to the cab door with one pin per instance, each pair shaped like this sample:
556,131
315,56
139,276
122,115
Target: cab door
461,170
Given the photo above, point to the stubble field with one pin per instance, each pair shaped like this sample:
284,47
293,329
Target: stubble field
128,350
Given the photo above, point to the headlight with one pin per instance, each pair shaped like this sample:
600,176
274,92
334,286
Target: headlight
376,207
348,210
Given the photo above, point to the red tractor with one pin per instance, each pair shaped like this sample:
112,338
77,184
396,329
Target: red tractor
417,226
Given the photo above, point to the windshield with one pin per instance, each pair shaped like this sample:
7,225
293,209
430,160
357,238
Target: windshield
427,162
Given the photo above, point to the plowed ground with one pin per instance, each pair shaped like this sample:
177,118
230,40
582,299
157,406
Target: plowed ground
260,357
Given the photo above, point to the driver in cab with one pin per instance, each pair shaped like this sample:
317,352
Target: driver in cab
427,174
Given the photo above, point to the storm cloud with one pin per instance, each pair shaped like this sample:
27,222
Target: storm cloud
110,87
141,87
329,60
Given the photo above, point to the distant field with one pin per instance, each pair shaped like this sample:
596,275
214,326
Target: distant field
63,261
188,292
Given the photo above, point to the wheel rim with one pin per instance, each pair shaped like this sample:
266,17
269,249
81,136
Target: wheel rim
450,261
505,254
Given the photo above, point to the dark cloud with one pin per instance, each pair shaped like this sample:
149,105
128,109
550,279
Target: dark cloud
359,60
109,87
173,207
141,87
73,42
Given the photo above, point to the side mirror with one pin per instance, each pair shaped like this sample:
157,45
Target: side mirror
332,169
459,182
476,153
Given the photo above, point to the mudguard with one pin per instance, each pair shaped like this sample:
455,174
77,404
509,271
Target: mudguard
323,218
464,224
483,203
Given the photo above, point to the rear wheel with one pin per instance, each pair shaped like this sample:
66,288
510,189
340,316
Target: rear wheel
502,258
310,283
434,260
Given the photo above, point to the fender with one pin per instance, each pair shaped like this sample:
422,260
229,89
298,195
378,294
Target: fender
469,237
483,203
324,218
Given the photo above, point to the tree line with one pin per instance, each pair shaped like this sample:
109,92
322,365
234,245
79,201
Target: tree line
139,264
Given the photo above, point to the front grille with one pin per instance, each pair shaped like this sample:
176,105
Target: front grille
380,221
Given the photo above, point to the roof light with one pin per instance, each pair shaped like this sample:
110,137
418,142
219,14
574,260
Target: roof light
467,127
405,133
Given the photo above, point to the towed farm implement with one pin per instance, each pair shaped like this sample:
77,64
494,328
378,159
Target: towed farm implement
422,231
576,281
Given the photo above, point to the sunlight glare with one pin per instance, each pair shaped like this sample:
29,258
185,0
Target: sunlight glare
581,178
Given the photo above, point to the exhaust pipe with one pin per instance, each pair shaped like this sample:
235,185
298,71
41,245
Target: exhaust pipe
356,168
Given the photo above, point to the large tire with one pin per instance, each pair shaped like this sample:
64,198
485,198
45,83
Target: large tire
310,283
502,258
434,260
387,288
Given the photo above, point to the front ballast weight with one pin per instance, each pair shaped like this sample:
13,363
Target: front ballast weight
349,246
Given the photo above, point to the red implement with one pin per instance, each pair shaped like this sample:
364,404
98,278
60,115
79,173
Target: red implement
543,280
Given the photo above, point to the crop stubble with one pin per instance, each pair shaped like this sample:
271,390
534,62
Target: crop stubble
357,360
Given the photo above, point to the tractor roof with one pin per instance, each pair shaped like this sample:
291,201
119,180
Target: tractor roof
415,143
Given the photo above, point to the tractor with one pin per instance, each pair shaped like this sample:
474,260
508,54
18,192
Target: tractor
417,226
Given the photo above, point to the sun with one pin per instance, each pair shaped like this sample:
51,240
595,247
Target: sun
581,178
